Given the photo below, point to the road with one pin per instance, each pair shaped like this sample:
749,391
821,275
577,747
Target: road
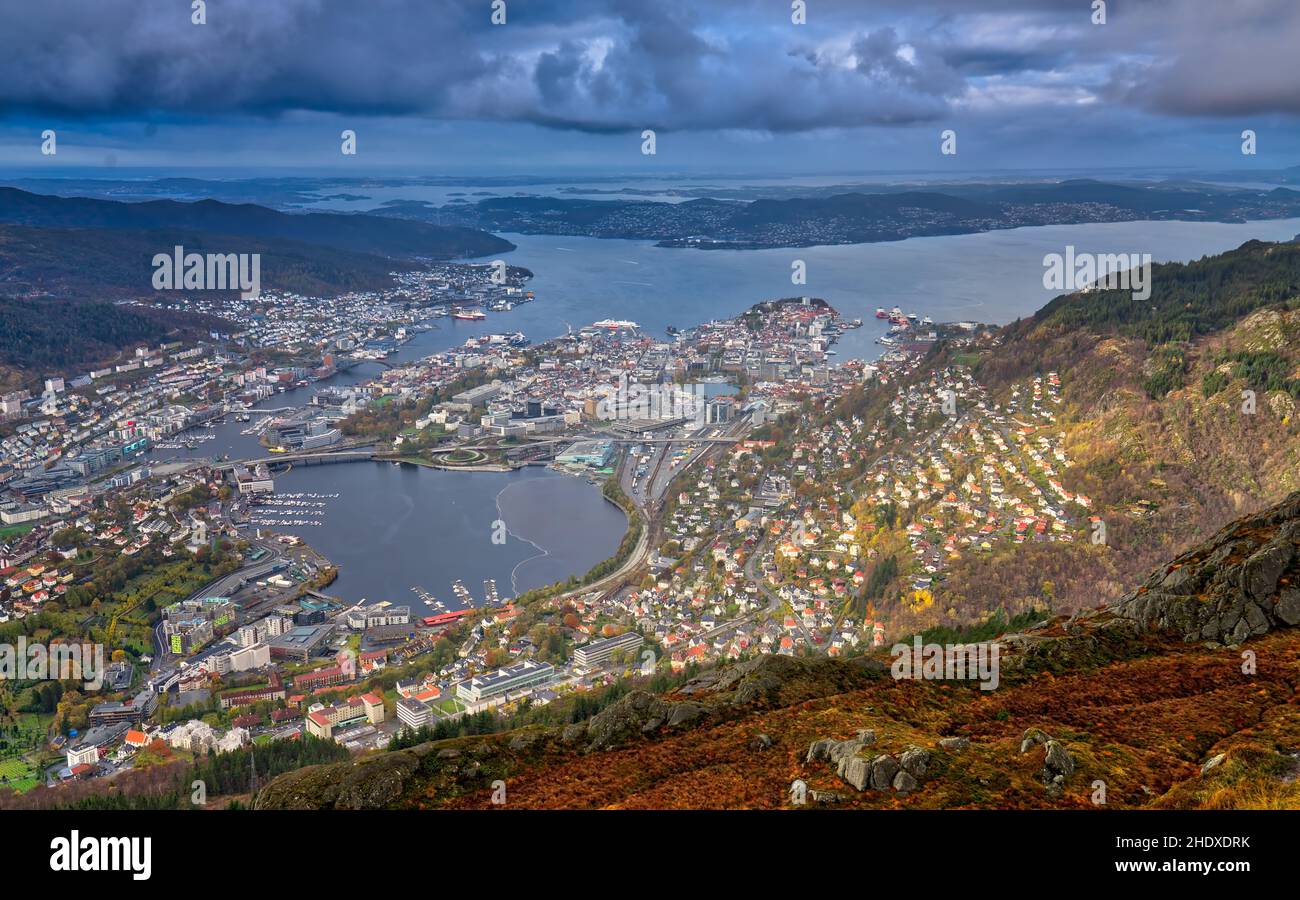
650,507
224,586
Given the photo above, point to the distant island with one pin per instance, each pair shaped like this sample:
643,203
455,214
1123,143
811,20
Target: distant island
890,214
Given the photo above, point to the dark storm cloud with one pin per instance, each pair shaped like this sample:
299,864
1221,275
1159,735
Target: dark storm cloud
1230,59
612,65
886,59
998,61
664,67
121,57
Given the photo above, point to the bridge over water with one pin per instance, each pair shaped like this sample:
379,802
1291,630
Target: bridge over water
306,458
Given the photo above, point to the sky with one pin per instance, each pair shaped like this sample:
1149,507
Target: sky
735,86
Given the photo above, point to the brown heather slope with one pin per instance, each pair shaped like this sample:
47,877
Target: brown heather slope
1118,693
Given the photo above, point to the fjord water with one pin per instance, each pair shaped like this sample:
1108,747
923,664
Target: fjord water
396,527
994,277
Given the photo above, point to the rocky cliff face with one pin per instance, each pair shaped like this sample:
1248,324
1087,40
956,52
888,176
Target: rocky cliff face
1151,702
1242,583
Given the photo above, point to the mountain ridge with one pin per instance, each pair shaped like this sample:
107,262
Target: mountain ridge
859,216
379,235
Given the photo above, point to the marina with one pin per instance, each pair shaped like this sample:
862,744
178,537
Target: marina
394,531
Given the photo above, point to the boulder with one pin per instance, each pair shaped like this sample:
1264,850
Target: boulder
914,760
1231,587
1260,573
955,743
845,750
682,713
1031,737
883,770
1058,765
857,772
1288,607
904,782
820,749
371,782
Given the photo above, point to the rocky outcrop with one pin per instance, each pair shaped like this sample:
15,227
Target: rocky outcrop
1242,583
772,679
882,772
1090,640
1058,765
634,715
371,782
719,695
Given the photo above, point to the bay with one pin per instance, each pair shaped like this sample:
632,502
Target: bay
395,527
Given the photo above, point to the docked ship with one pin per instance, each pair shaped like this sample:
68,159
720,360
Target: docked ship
880,313
469,315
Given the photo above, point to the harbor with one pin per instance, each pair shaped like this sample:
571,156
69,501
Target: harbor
407,532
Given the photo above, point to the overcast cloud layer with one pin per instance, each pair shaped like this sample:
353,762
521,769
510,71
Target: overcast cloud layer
627,64
619,66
